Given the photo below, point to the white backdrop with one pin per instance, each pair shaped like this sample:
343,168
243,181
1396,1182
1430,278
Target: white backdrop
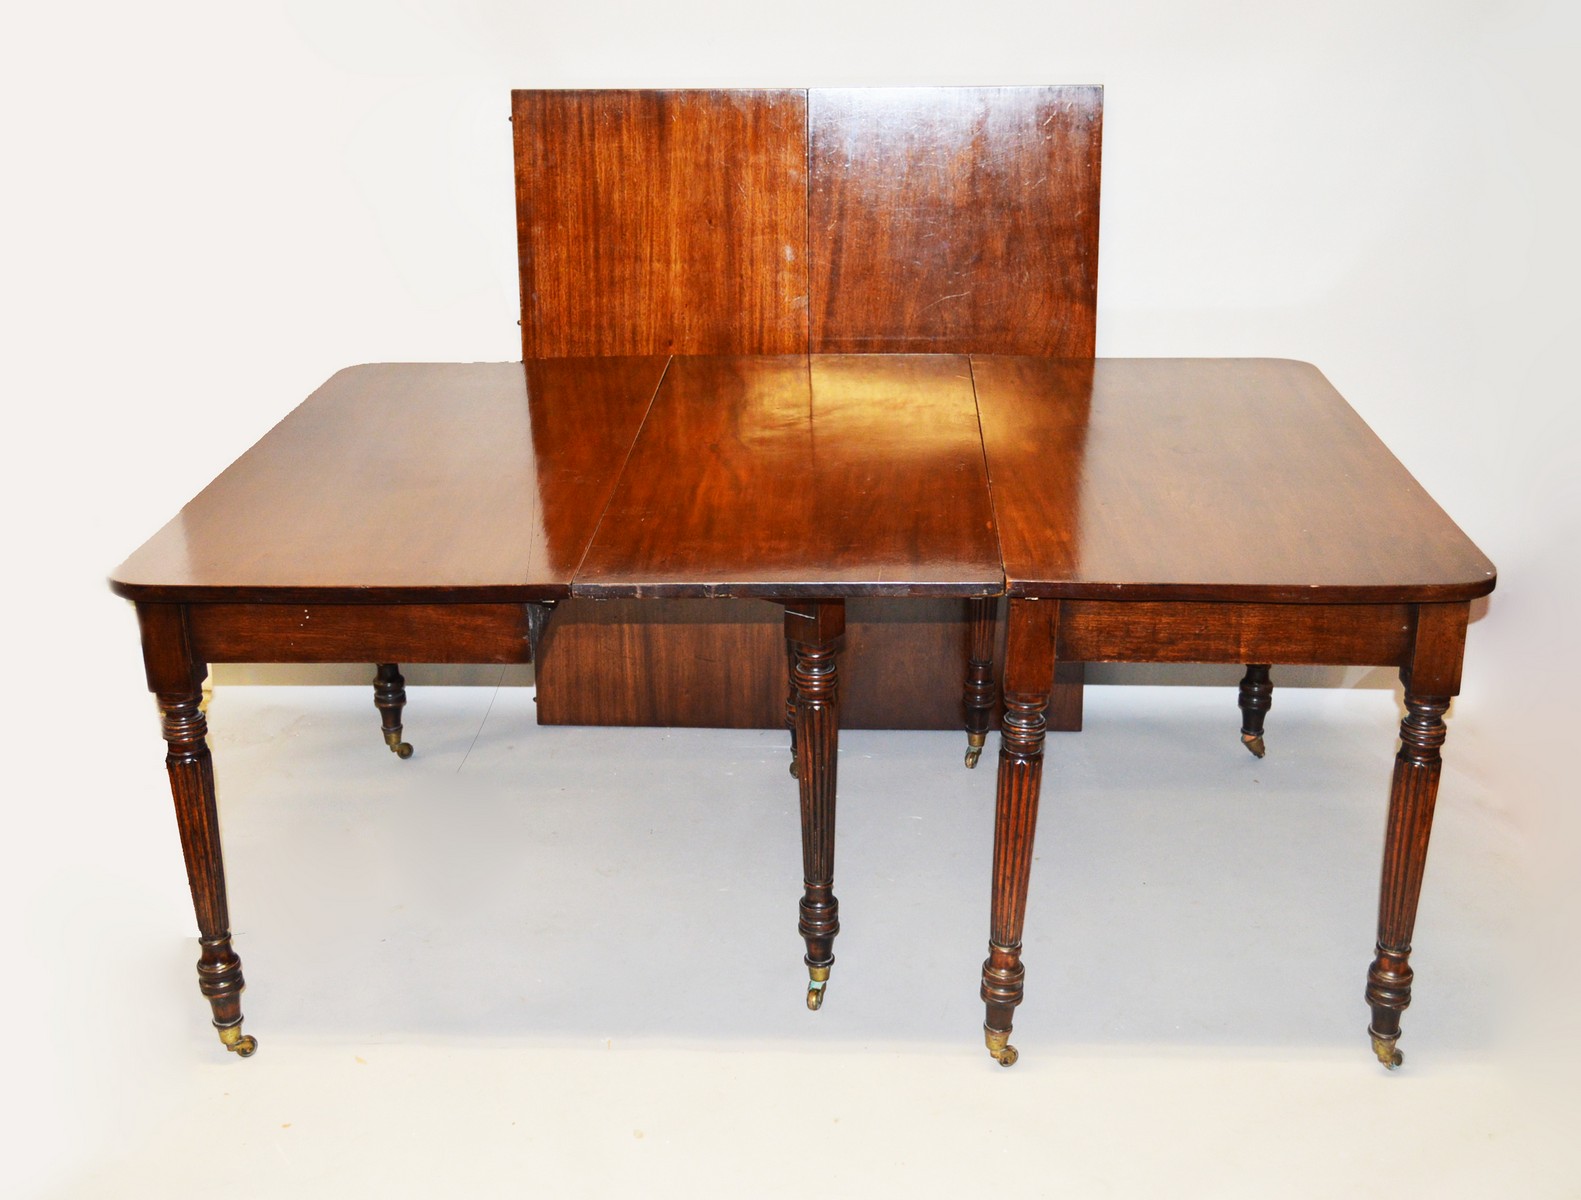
209,209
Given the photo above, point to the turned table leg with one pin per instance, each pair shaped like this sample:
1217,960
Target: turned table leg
176,680
1029,676
389,697
979,694
1257,697
813,630
1431,679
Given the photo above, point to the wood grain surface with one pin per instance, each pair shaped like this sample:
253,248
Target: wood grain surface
1206,479
656,222
407,481
777,477
959,220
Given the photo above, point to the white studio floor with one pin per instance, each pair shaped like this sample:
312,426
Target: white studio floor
564,962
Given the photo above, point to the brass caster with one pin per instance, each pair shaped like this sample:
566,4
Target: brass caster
1254,743
397,747
238,1043
795,767
998,1043
974,748
1384,1048
820,980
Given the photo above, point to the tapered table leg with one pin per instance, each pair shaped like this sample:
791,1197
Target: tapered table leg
978,698
813,630
389,697
176,678
1411,799
1432,678
1029,676
1257,697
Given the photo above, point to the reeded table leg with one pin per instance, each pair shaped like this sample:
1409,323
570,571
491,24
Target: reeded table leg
1431,680
389,697
1411,799
1029,676
176,680
813,631
1257,697
790,702
979,695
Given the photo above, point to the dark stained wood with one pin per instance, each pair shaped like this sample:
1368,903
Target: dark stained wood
389,697
979,695
1201,479
1029,674
955,219
900,668
813,630
175,676
1016,170
784,477
1427,641
333,633
1255,699
661,222
1200,632
1234,511
1065,702
410,482
1431,677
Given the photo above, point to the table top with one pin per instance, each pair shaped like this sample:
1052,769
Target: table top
411,482
822,475
1206,479
802,476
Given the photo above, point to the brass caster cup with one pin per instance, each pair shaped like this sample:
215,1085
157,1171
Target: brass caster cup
974,748
820,980
397,747
1384,1048
1254,743
795,767
238,1043
998,1043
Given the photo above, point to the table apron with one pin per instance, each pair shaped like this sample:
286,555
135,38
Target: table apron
1234,632
334,633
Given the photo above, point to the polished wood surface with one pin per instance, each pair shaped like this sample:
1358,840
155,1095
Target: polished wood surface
1205,479
450,632
804,479
1214,511
175,677
954,219
813,631
657,222
1431,675
900,668
1193,631
796,476
404,481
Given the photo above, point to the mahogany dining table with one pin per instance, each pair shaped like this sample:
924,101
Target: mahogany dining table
1127,510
